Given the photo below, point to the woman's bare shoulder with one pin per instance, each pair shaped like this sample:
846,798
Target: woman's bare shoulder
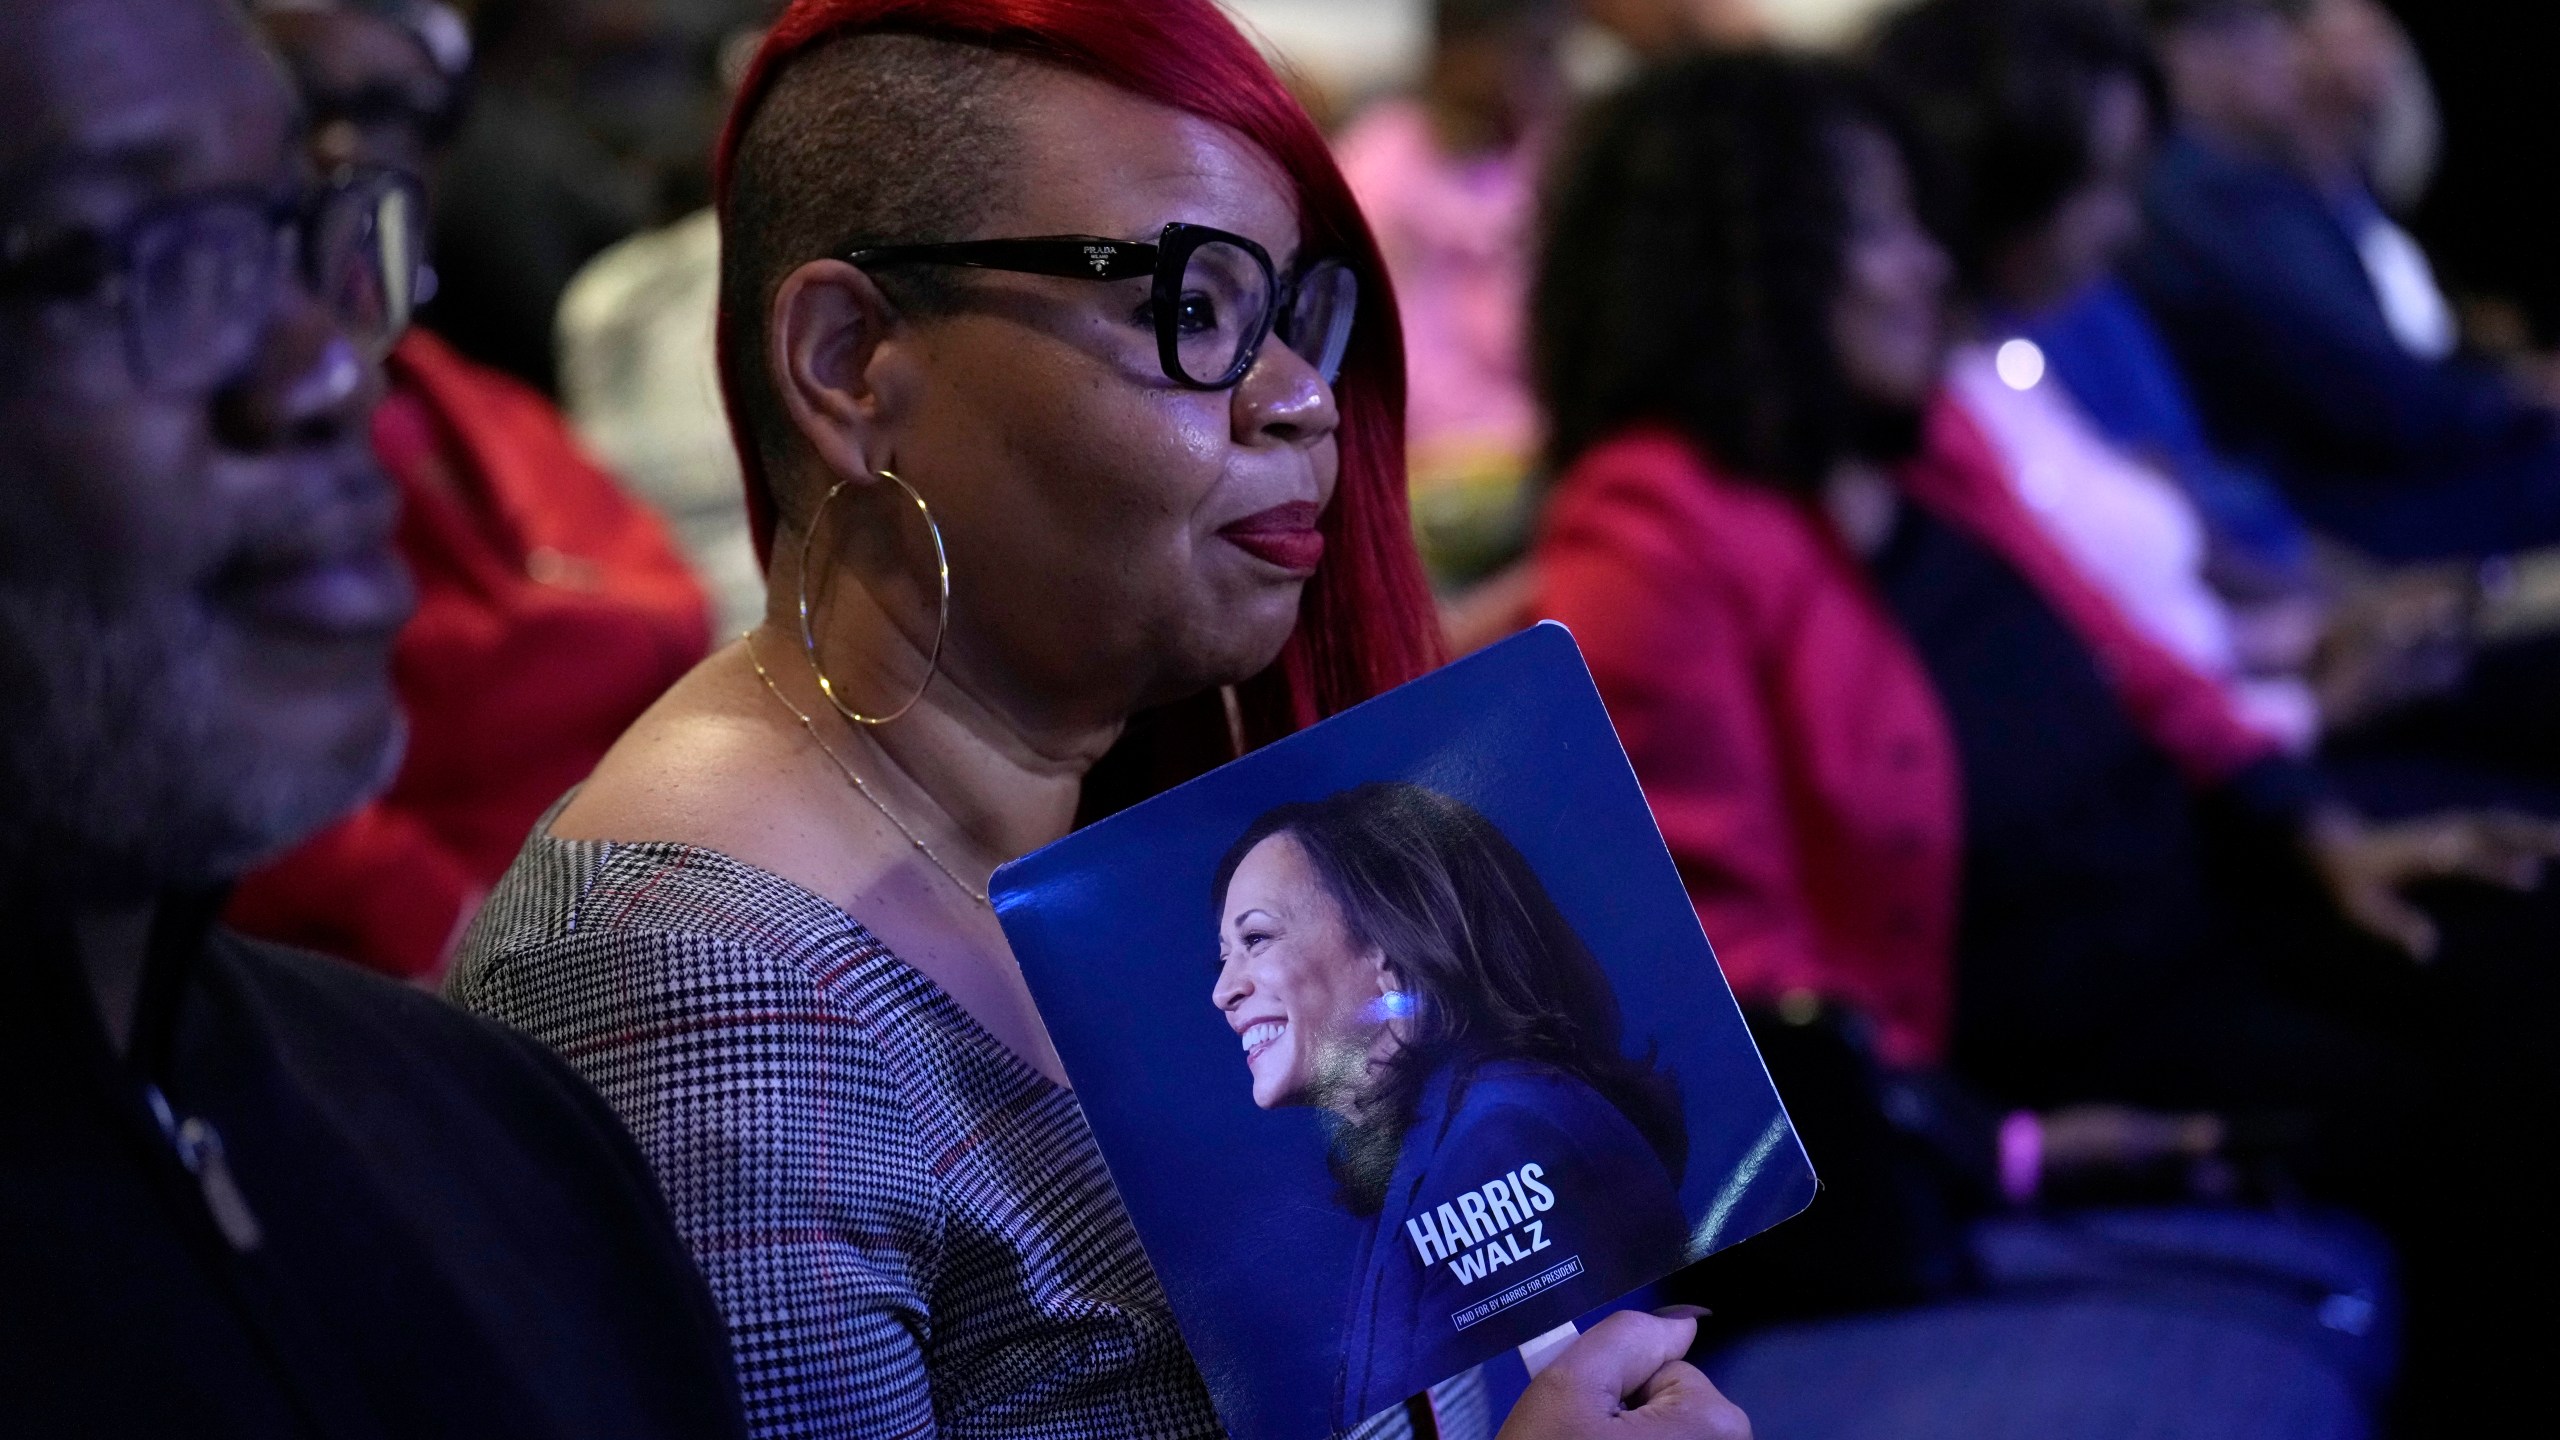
716,764
704,767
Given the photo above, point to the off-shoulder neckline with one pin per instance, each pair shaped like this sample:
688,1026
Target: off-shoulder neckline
939,998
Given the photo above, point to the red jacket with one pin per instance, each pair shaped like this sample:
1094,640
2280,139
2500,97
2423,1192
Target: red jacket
1790,741
552,610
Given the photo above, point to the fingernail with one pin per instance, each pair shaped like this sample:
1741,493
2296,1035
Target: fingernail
1684,1312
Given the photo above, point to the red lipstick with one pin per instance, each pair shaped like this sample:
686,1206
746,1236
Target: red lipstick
1284,535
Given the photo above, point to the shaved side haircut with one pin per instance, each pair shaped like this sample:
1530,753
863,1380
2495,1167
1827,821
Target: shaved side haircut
873,139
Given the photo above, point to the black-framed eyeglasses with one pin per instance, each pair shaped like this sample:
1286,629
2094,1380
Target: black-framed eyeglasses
195,282
1216,297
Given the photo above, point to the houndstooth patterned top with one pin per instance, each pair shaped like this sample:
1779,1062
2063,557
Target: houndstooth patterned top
910,1230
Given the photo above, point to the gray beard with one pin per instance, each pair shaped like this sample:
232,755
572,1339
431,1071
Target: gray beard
125,769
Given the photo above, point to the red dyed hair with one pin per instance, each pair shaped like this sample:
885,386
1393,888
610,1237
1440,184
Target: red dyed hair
1366,622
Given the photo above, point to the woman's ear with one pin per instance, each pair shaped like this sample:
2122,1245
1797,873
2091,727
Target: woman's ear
1395,1004
835,364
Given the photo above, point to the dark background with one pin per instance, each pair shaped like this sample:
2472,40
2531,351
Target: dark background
2492,222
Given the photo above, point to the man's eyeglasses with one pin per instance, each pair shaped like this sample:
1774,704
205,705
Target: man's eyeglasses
196,282
1215,300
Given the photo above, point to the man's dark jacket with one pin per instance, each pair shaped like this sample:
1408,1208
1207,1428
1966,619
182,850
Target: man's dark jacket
311,1202
2254,276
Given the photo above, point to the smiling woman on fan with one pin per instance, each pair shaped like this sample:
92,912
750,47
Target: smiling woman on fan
1388,955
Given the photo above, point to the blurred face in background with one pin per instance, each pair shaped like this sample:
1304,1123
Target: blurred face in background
2078,243
2237,74
1888,321
197,587
1490,90
639,76
2353,56
1298,987
371,94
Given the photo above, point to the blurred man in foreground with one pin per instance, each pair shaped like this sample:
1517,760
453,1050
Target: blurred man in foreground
248,1193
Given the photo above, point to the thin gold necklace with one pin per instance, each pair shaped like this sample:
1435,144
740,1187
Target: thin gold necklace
810,725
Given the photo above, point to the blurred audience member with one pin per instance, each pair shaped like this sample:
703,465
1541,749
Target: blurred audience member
2308,323
2358,72
1449,181
1915,767
585,108
1740,329
2104,348
249,1193
2041,114
2042,204
552,609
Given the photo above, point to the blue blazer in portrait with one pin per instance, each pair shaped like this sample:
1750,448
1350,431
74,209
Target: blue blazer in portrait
1522,1198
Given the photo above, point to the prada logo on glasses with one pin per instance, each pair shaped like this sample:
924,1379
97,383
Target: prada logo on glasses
1100,256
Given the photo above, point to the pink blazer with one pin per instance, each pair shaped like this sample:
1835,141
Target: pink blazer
1790,741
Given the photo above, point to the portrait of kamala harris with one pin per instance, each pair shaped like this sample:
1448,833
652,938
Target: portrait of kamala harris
1388,957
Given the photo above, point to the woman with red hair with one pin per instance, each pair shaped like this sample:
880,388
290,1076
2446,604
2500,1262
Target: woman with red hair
1068,393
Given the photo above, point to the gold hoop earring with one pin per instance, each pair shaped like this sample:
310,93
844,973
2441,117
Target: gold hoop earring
942,611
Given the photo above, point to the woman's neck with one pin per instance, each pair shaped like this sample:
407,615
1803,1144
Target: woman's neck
998,772
898,825
973,784
1003,786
